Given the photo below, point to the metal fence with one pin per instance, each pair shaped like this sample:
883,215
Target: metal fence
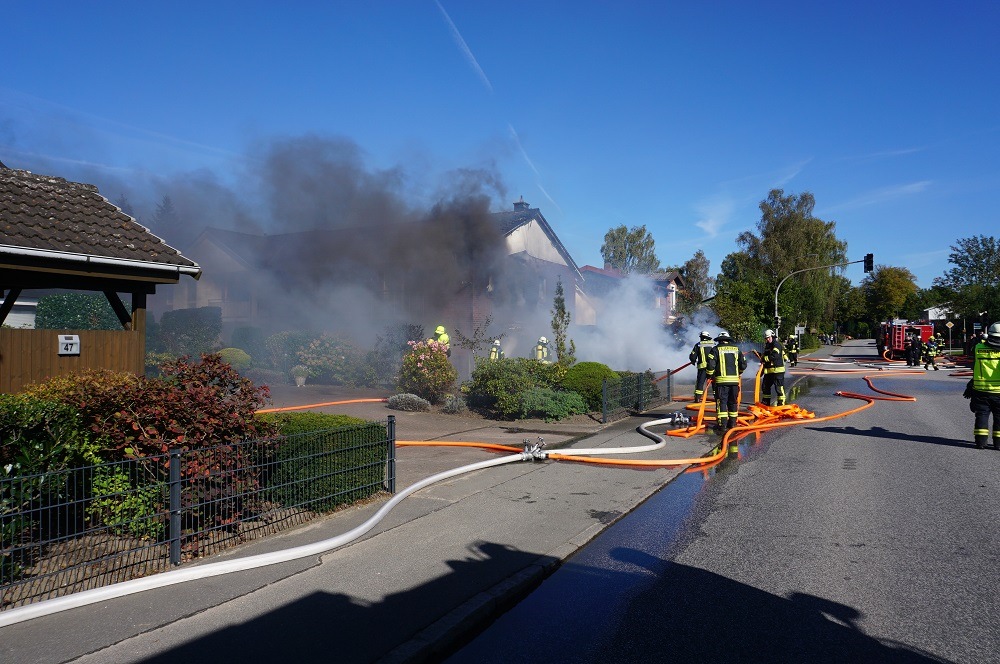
635,393
79,528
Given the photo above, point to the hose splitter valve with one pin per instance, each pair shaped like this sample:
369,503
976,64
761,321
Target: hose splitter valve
533,451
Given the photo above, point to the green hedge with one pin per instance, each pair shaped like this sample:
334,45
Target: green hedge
324,461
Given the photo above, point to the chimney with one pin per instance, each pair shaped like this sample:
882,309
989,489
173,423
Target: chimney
521,204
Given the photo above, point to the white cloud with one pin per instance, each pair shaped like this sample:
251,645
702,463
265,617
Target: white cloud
713,215
882,195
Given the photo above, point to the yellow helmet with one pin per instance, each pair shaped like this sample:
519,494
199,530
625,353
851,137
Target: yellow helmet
439,329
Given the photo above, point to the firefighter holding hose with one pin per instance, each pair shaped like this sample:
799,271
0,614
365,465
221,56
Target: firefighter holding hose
725,366
699,360
773,360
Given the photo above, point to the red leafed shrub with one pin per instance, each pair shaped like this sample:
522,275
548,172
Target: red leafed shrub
191,406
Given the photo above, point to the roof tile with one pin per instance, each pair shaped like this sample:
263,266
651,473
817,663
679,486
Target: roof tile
44,212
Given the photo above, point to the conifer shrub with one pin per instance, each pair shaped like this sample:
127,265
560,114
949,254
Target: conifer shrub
408,402
549,404
586,379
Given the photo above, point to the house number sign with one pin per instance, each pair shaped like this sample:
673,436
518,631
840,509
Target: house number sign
69,344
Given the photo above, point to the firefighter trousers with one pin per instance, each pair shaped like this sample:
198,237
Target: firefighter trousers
982,405
699,384
727,405
773,382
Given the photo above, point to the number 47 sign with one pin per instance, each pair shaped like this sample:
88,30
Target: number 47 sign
69,344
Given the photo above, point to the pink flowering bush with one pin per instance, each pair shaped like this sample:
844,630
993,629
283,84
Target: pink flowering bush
426,371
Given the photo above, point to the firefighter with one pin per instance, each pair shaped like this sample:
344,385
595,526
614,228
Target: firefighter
441,336
930,352
792,349
984,390
699,359
496,353
913,347
774,370
725,366
542,350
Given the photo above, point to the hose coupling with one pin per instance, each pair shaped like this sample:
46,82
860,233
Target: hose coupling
533,451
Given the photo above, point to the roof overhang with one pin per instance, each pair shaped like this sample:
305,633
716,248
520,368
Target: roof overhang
64,263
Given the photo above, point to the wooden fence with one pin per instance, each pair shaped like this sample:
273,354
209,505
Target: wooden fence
31,356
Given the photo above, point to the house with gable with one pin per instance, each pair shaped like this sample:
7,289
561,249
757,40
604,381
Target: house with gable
65,236
602,283
243,269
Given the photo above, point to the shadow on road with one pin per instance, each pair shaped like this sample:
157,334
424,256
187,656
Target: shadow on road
879,432
325,627
692,615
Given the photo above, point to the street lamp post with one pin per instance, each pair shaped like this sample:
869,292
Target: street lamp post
868,260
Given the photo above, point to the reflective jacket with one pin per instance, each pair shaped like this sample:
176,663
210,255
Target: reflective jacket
725,364
496,353
986,369
699,354
774,358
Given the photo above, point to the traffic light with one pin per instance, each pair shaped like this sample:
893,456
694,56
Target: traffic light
869,262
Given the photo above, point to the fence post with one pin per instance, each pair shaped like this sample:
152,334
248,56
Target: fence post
174,482
391,429
670,387
604,401
640,377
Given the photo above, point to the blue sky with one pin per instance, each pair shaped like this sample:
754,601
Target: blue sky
677,116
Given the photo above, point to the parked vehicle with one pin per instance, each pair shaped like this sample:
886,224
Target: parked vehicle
891,337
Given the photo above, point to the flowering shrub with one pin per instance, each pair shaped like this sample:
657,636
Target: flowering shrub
426,371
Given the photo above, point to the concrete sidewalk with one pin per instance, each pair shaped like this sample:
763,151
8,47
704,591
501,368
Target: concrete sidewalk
446,559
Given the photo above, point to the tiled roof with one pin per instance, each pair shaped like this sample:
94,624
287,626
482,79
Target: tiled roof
49,214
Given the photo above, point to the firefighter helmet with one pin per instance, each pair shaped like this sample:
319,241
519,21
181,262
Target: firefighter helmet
723,336
439,329
496,342
768,333
705,335
543,340
993,335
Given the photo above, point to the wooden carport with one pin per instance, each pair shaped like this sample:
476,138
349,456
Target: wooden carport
56,234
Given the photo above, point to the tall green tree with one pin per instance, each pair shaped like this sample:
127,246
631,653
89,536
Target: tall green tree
851,312
790,238
630,250
565,355
886,290
974,281
698,285
165,216
741,294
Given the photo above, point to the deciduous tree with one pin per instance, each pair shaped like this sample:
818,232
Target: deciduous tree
630,250
886,290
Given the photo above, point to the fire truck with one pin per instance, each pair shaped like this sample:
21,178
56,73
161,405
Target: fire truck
891,337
